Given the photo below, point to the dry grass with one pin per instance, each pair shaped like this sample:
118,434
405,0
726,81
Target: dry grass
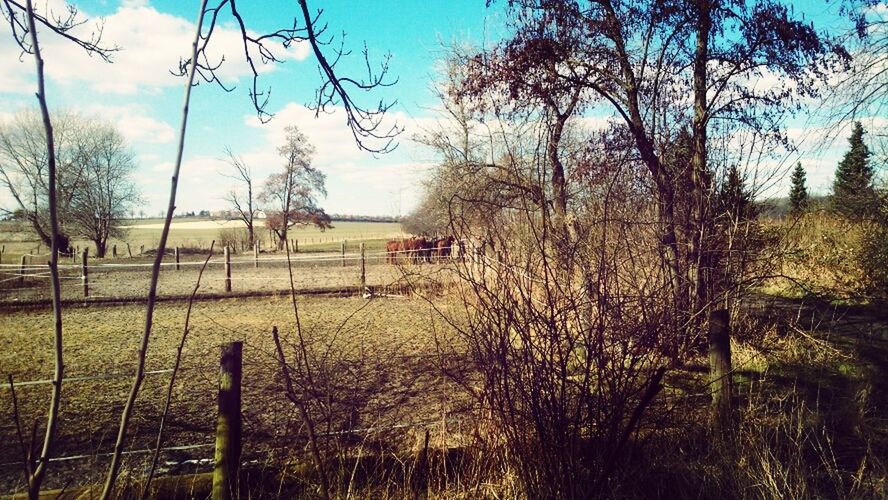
391,337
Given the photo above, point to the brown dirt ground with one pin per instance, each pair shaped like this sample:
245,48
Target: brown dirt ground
379,354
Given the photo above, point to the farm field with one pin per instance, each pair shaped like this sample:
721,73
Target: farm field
384,348
198,234
129,278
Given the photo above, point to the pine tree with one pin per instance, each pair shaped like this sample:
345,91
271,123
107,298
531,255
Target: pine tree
853,192
798,193
736,200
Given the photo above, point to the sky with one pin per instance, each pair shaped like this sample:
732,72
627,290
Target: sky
137,93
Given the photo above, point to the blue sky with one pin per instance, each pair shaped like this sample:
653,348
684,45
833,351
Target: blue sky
138,94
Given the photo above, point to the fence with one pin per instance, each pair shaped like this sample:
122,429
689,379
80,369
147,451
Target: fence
227,273
228,420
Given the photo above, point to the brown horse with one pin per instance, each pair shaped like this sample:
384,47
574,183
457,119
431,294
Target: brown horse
392,248
443,247
415,250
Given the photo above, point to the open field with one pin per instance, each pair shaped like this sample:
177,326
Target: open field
386,344
199,233
129,278
384,357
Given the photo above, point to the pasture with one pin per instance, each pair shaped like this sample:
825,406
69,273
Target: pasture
197,234
380,351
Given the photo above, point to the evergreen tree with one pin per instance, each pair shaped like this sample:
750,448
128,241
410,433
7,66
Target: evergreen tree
853,192
735,199
798,193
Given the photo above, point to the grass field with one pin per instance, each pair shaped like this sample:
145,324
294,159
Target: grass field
382,350
199,233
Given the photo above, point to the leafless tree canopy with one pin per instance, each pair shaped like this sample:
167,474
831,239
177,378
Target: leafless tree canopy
242,198
290,196
366,122
93,176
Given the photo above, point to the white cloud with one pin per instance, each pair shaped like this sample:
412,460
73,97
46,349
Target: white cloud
151,44
134,123
357,182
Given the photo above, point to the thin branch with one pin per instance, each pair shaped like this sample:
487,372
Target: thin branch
155,270
169,395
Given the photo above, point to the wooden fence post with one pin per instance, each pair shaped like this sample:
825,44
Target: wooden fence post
177,258
114,251
141,250
720,369
84,272
22,271
363,269
342,252
296,246
228,424
227,269
256,254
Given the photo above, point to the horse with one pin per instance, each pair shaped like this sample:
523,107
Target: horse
415,250
392,248
443,247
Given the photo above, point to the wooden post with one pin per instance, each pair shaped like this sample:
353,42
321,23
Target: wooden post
22,271
227,269
342,252
720,369
363,269
296,246
177,258
84,272
141,250
114,251
256,254
228,424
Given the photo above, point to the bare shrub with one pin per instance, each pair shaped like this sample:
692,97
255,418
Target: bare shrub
235,238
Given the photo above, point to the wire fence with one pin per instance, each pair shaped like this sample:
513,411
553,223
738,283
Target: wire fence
29,281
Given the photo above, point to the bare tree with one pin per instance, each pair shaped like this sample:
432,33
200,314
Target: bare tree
366,126
290,196
93,165
664,72
23,22
107,192
243,203
24,170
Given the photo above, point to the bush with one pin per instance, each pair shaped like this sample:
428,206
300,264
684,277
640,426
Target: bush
233,237
873,261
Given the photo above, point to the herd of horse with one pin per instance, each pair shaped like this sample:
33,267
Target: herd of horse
419,249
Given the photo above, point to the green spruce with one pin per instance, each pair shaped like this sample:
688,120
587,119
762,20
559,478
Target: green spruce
853,194
736,200
798,192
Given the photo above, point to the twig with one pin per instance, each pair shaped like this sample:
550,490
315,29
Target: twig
155,271
169,394
26,455
39,471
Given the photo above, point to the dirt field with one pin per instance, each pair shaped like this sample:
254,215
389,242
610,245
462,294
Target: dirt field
381,352
189,233
129,278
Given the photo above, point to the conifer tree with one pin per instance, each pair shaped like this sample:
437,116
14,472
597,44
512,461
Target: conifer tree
736,200
798,192
853,193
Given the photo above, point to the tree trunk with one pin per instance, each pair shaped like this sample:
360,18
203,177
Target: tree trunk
101,248
700,225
